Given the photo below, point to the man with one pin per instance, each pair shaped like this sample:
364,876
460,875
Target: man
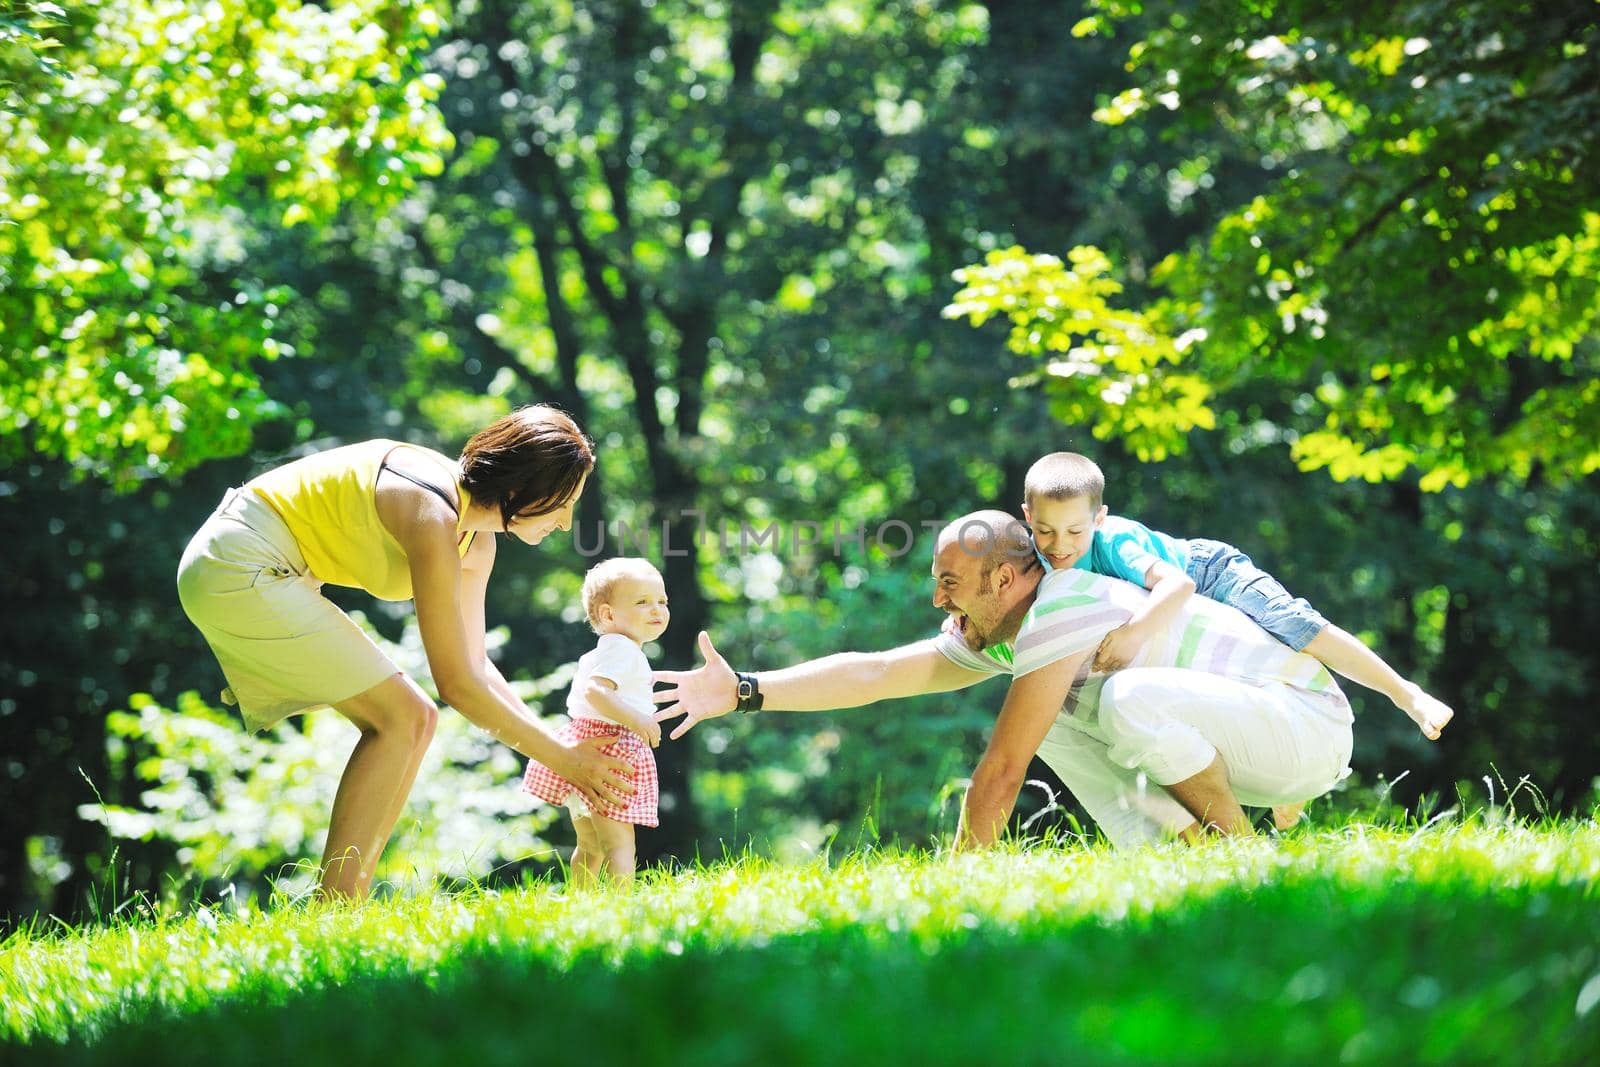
1211,711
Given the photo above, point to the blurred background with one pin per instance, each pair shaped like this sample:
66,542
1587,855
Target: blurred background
1334,301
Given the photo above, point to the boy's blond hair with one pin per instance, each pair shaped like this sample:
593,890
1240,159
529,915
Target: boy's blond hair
1064,476
602,580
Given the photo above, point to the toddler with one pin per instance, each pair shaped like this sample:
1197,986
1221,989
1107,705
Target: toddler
626,602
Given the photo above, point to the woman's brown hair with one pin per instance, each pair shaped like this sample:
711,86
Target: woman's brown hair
530,461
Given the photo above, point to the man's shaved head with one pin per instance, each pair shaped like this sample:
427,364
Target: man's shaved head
973,584
992,538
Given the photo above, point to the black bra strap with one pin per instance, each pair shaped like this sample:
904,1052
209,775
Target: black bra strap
384,466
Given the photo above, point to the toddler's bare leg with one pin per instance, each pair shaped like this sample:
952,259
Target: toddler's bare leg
616,845
589,855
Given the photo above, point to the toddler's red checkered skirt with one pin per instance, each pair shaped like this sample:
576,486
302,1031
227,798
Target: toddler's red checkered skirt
641,809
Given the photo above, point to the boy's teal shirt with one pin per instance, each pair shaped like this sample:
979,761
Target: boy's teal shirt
1126,549
1122,548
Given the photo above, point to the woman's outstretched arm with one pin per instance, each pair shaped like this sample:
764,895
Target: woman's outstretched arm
449,594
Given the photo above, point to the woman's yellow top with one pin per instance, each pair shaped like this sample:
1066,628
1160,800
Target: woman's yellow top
328,500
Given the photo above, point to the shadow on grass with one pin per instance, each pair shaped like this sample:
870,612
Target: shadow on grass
1293,973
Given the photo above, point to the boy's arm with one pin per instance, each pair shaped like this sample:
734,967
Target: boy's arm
1169,589
844,680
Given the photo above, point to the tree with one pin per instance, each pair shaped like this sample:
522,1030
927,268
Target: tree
674,188
1425,261
1411,288
130,163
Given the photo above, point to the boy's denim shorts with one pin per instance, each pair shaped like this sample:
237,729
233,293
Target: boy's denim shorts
1223,573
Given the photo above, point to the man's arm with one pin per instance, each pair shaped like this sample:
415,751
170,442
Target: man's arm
1030,709
844,680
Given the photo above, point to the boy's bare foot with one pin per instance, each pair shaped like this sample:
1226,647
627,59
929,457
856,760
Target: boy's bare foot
1285,816
1429,713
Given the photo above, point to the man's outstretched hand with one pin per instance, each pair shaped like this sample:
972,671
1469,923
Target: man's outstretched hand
707,692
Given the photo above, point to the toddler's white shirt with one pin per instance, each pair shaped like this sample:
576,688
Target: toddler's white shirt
621,661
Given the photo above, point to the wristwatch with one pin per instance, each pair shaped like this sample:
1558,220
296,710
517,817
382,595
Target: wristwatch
749,694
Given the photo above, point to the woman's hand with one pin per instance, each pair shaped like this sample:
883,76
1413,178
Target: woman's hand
605,781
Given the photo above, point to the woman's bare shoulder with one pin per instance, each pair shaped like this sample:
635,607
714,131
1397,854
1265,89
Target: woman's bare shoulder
421,463
480,555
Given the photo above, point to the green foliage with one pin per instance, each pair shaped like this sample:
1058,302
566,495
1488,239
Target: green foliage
26,62
723,235
660,212
1423,264
240,806
1107,368
129,326
1450,943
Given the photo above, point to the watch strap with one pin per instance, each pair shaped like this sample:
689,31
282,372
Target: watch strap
749,694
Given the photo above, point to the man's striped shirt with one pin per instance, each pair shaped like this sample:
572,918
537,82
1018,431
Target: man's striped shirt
1075,609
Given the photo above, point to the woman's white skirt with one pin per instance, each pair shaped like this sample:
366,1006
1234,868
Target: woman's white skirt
284,647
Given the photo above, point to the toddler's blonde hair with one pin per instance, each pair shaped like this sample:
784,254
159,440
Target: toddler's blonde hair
602,579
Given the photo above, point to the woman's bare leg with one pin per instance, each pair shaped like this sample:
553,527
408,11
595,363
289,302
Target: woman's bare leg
397,721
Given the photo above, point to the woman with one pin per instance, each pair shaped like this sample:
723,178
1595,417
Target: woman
401,522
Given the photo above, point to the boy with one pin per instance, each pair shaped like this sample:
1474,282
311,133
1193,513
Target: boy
1072,529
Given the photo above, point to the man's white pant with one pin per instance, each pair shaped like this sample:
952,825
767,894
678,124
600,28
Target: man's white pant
1152,727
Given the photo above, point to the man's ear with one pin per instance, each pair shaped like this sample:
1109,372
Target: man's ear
1100,516
1027,514
1006,574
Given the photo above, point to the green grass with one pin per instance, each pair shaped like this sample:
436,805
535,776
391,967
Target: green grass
1476,944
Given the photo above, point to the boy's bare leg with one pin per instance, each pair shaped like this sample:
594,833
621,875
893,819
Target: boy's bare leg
1209,798
615,841
588,856
1346,655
